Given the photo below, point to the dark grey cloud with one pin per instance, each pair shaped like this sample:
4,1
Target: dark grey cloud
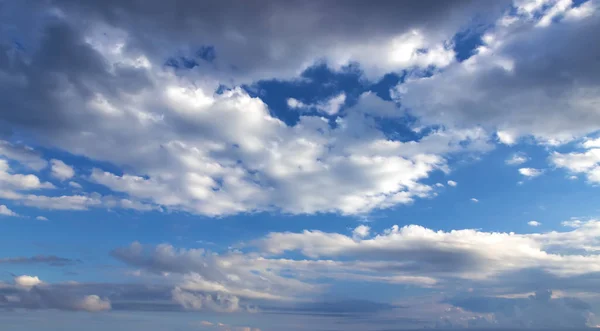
51,260
277,38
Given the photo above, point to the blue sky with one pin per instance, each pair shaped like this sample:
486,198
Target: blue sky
434,166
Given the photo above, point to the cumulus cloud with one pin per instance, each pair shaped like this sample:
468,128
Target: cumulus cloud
41,218
475,200
452,183
188,148
530,172
15,181
330,107
469,254
60,170
6,211
534,223
27,281
361,231
517,159
516,83
586,162
22,154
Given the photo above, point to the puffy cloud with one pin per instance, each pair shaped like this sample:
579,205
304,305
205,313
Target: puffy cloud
22,154
587,162
6,211
93,303
468,254
530,172
41,218
19,181
517,159
60,170
27,281
188,148
475,200
361,231
534,223
515,83
329,107
452,183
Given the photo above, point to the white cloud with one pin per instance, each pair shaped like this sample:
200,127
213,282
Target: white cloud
452,183
22,154
27,281
439,185
41,218
361,231
19,181
534,223
587,162
506,137
467,254
93,303
474,200
573,223
517,159
530,172
75,185
60,170
330,107
6,211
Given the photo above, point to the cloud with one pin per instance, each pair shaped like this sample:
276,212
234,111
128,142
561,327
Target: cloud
475,200
530,172
41,218
27,281
60,170
469,254
587,162
31,293
197,301
534,223
361,231
513,80
407,35
7,212
539,310
517,159
186,148
330,107
452,183
93,303
11,180
22,154
51,260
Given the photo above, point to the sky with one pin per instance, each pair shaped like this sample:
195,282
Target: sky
299,165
